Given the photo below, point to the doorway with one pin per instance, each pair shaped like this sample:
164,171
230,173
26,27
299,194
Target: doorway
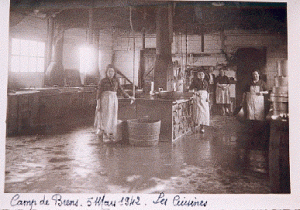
248,60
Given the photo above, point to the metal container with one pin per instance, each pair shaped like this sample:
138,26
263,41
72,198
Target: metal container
282,90
280,104
279,95
281,81
165,94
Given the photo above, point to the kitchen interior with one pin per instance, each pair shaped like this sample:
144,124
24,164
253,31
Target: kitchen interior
58,52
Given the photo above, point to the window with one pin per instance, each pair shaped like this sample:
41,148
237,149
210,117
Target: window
27,56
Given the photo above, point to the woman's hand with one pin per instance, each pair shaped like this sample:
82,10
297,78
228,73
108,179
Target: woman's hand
132,99
225,87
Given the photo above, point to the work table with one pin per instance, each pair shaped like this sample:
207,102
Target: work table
175,114
32,108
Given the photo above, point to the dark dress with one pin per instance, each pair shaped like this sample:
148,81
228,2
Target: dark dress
222,79
261,84
107,84
199,84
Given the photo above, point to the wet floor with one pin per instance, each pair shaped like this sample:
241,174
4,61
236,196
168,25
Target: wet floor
227,158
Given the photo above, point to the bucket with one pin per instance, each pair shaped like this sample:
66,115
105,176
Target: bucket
143,132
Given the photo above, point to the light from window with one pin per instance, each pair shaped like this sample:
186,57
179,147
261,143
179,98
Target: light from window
27,56
87,59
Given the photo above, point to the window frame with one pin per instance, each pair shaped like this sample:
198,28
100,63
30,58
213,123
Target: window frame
27,59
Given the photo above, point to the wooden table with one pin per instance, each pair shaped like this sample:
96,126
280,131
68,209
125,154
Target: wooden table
175,115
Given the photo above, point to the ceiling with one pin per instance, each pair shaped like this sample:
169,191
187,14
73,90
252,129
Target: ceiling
193,17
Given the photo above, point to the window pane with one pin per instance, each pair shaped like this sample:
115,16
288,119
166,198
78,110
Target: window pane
24,47
40,49
40,64
24,64
32,64
15,64
16,46
32,48
31,56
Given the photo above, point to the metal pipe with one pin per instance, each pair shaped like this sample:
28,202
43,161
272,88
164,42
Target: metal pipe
50,35
90,30
133,75
170,22
186,45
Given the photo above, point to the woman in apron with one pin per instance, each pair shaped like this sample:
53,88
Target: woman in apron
253,98
222,92
201,101
211,88
107,105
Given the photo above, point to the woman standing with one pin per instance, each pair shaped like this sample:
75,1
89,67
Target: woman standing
253,98
107,105
222,92
201,101
211,88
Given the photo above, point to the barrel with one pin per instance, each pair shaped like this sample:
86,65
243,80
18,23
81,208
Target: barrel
143,132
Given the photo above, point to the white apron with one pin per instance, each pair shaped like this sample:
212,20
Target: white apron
201,108
255,104
222,96
106,119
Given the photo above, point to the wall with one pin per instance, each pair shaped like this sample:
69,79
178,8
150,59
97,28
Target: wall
106,40
126,58
274,54
117,47
76,38
191,46
275,44
73,40
18,80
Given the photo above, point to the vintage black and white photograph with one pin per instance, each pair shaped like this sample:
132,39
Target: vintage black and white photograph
128,96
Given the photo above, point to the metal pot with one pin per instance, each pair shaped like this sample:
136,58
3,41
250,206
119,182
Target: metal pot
165,94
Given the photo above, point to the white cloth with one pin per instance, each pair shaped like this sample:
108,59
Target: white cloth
106,117
255,106
222,96
211,78
201,108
